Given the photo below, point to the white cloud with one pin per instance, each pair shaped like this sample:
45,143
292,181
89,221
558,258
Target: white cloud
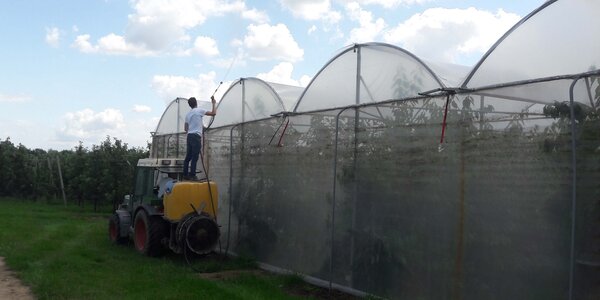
163,26
53,37
391,3
265,42
256,16
82,43
141,108
312,10
305,80
205,46
158,25
369,29
449,34
4,98
311,29
88,124
137,131
169,87
91,128
282,73
111,44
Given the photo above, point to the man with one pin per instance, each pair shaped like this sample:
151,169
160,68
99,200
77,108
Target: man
193,127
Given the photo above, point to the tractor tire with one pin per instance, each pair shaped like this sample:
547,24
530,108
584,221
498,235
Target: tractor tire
148,231
114,232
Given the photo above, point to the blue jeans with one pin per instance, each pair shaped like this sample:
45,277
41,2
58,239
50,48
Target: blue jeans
194,145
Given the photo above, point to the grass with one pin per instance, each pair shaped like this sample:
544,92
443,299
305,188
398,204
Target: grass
64,253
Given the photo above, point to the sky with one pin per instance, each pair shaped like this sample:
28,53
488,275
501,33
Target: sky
76,71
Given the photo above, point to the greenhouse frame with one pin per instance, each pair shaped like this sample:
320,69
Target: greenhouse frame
392,179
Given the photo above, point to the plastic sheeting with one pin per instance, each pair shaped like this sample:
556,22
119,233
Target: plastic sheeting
173,118
367,73
561,38
249,99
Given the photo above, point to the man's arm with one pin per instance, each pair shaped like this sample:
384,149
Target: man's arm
213,112
186,127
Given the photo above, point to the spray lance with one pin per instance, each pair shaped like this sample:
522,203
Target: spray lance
218,86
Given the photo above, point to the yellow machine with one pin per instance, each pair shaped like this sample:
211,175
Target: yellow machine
163,213
187,197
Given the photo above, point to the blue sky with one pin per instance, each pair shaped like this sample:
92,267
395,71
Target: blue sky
75,70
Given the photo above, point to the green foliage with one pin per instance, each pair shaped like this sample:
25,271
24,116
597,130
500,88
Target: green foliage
100,176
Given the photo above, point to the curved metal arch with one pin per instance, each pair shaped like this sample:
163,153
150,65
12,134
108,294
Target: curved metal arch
501,39
371,44
237,81
264,83
240,80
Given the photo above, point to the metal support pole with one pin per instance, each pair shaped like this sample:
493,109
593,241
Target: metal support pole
481,114
242,134
177,134
355,155
358,75
574,186
335,152
230,185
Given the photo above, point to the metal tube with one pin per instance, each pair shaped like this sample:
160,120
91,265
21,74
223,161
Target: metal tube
177,143
355,155
230,185
574,187
335,151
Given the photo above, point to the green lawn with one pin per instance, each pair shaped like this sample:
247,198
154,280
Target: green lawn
64,253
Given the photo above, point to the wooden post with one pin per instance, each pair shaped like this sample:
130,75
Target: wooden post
51,176
62,186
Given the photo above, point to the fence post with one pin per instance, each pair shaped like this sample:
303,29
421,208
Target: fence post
51,175
62,186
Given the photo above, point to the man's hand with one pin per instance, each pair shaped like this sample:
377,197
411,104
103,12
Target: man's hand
212,98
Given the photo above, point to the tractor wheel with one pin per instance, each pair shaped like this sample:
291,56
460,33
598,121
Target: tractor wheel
114,232
148,231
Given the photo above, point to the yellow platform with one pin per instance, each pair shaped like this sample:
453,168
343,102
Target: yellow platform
177,203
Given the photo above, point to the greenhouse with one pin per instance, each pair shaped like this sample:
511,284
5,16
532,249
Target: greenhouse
393,176
251,99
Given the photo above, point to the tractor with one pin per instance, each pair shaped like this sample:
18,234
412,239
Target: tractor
164,212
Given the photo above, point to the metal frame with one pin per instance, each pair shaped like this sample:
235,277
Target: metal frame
353,48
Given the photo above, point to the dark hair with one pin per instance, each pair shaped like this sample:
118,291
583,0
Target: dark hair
192,102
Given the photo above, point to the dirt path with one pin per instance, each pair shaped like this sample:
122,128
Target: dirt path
10,287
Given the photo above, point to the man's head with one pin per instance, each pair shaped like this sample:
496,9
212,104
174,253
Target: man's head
192,102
